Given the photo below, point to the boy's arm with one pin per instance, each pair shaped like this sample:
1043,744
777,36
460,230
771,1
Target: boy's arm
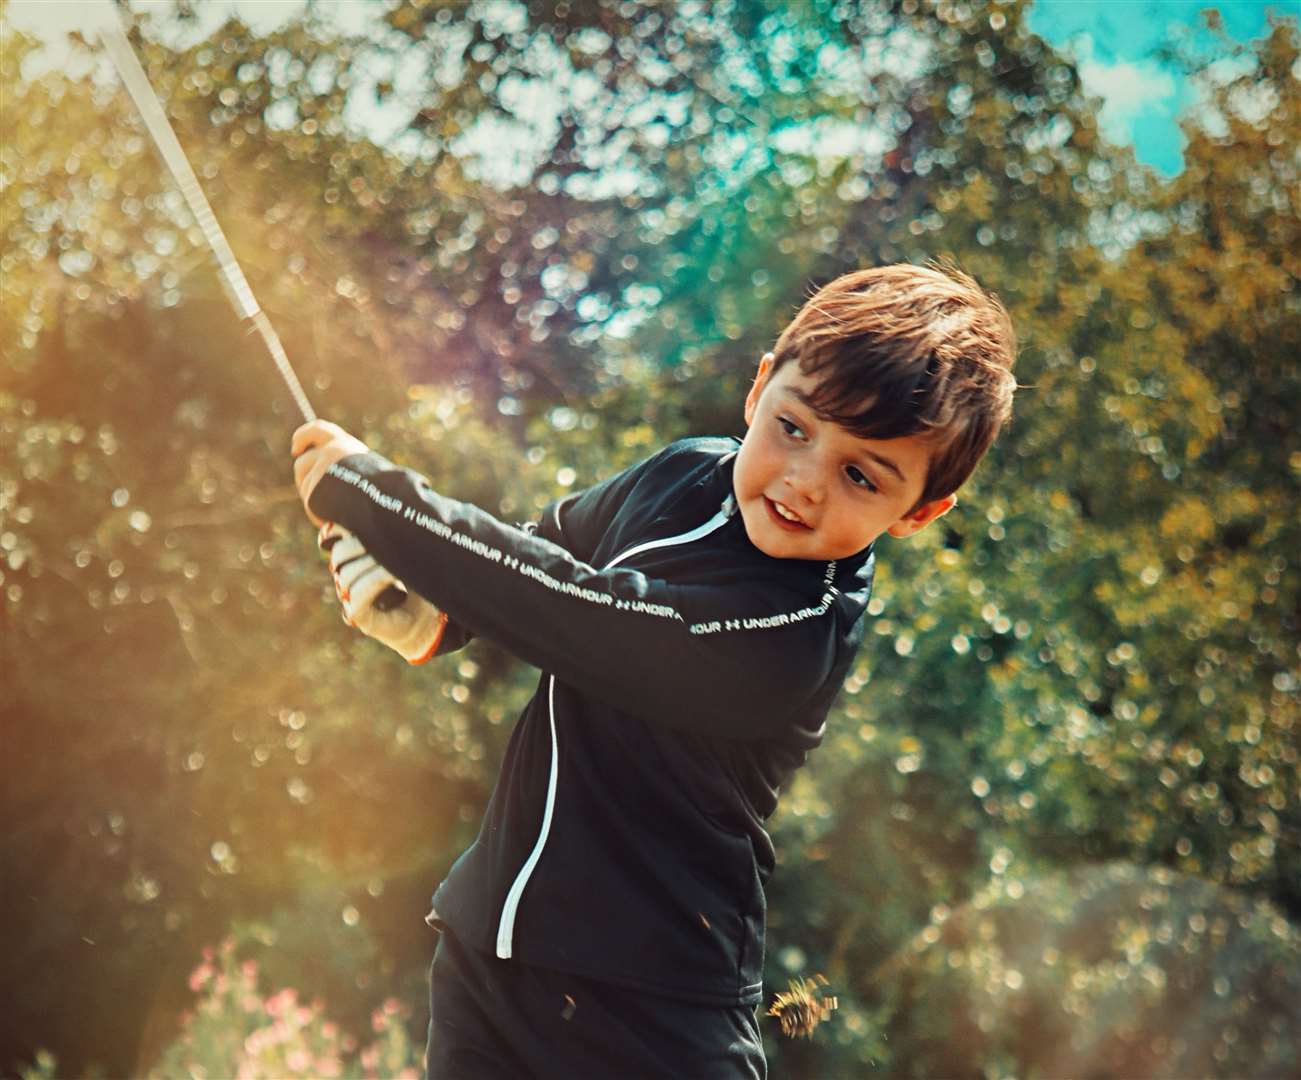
579,537
723,661
454,636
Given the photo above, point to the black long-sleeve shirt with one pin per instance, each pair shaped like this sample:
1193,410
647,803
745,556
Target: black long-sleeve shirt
686,675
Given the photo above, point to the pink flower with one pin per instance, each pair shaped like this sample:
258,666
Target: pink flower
298,1060
282,1001
199,976
209,953
329,1029
392,1007
328,1066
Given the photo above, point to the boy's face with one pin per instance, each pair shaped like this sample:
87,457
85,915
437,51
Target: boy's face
845,491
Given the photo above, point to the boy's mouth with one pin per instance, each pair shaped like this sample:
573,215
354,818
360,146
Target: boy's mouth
777,513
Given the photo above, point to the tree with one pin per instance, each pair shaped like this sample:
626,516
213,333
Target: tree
1105,623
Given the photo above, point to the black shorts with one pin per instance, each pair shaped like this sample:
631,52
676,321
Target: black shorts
494,1019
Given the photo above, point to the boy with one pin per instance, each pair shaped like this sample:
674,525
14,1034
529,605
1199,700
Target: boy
693,617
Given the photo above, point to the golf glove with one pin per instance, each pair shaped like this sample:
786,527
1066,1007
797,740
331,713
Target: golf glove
413,628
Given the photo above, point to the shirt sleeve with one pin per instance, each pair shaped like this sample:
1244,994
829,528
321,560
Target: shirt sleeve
455,636
734,661
585,515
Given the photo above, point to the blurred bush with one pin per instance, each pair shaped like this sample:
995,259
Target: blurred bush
1060,792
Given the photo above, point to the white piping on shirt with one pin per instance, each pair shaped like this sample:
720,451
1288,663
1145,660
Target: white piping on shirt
506,927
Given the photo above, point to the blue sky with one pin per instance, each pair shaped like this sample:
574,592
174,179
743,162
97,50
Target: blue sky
1112,43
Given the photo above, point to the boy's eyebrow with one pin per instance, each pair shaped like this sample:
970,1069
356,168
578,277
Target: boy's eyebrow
885,463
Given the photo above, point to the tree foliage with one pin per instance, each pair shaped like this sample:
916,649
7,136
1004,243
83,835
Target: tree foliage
1055,828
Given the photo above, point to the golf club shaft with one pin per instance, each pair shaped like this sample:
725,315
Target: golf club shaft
237,287
169,148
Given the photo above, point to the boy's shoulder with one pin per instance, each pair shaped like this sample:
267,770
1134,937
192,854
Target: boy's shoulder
690,460
700,448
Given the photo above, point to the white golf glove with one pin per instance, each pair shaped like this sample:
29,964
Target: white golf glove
412,628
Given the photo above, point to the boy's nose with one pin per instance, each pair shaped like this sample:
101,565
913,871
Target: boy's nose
805,487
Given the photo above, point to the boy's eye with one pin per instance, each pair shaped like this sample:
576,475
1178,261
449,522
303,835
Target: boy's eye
856,475
859,478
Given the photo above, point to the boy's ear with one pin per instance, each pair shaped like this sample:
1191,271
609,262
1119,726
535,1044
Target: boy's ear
760,381
922,516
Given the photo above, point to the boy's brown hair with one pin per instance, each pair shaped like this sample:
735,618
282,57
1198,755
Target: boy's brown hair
907,350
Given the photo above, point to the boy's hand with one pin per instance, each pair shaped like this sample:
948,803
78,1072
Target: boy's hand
316,446
413,629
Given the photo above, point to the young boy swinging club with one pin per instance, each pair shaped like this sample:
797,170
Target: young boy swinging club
693,618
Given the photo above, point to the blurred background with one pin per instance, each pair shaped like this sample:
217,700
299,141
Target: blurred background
1054,829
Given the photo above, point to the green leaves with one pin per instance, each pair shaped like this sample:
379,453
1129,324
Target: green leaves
1061,783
